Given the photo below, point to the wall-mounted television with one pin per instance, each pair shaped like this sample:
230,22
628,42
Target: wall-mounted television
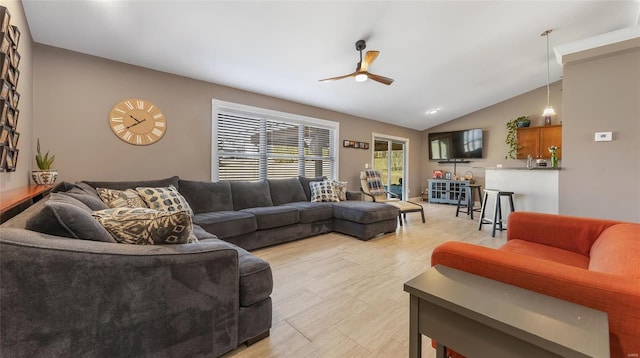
466,144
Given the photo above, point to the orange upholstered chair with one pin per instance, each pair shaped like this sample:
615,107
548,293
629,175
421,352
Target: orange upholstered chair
591,262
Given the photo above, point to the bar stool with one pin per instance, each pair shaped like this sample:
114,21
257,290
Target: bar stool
497,212
468,203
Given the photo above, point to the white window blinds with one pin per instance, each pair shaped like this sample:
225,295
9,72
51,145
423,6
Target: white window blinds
252,143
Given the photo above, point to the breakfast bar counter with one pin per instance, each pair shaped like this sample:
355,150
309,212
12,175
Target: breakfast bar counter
535,189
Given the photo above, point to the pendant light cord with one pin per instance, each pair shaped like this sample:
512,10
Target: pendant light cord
548,95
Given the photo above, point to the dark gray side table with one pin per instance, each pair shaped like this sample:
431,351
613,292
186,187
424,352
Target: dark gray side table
479,317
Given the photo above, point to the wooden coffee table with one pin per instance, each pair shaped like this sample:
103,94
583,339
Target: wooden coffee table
479,317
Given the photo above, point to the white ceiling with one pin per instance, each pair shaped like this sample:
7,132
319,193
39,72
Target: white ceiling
458,56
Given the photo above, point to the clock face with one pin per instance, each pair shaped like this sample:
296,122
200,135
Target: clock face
137,122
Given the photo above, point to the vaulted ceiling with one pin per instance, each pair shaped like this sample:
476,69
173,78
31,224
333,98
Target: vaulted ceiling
454,56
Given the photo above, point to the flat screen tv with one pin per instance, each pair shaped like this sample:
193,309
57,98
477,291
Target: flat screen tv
456,144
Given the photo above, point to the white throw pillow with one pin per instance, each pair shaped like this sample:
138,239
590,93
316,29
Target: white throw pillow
323,191
165,199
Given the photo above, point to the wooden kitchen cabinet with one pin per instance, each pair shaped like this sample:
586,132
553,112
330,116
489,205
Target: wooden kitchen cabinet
535,141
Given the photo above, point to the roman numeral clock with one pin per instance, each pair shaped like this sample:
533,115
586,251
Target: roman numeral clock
137,122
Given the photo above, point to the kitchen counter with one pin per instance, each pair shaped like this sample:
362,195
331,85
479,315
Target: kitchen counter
520,168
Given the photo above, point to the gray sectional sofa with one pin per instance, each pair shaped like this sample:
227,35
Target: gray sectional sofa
66,297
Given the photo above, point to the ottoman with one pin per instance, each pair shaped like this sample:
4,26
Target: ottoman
364,219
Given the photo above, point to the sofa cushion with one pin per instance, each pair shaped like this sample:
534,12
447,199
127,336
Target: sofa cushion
322,191
546,252
312,212
122,185
206,196
164,199
268,217
62,215
144,226
226,224
92,200
617,251
256,279
304,181
121,198
250,194
286,191
364,212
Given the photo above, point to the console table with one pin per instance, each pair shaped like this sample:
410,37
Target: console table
479,317
16,200
445,190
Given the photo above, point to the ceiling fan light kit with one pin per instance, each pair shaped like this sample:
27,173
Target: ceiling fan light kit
361,73
361,77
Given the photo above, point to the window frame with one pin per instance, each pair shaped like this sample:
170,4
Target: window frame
219,106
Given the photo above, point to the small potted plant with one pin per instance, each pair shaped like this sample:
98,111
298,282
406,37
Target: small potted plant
522,122
45,175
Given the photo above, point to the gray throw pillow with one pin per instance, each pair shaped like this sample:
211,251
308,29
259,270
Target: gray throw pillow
90,200
67,217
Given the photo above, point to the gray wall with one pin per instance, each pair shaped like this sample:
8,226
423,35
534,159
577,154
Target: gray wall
26,159
74,93
602,93
492,120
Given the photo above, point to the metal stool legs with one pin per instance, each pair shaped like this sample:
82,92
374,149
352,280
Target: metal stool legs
497,222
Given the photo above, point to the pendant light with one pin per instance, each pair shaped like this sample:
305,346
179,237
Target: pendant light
548,110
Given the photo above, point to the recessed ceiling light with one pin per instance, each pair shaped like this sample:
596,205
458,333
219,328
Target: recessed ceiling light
433,111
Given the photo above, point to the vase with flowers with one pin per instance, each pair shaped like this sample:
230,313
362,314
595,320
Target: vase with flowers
554,156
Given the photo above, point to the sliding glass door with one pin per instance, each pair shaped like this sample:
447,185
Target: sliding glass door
389,157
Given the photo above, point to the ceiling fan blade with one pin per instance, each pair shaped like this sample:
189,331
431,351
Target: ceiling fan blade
338,78
368,59
381,79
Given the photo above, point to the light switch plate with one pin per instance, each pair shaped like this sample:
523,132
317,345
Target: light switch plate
604,136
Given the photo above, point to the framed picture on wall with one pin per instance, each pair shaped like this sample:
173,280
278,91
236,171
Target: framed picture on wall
3,157
345,143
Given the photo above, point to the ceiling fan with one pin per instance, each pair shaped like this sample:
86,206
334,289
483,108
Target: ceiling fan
361,74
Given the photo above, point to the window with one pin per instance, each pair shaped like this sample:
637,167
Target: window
251,143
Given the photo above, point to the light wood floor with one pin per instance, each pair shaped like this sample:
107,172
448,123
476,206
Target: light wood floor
336,296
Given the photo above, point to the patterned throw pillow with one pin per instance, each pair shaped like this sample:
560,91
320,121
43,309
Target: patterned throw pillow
322,191
165,199
144,226
121,199
340,188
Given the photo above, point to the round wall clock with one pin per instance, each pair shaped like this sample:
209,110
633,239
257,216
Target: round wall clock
137,122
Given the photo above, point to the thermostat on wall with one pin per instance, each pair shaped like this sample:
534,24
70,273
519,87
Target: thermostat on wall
604,136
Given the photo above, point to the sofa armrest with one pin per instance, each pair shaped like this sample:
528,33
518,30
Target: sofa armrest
576,234
619,296
80,298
